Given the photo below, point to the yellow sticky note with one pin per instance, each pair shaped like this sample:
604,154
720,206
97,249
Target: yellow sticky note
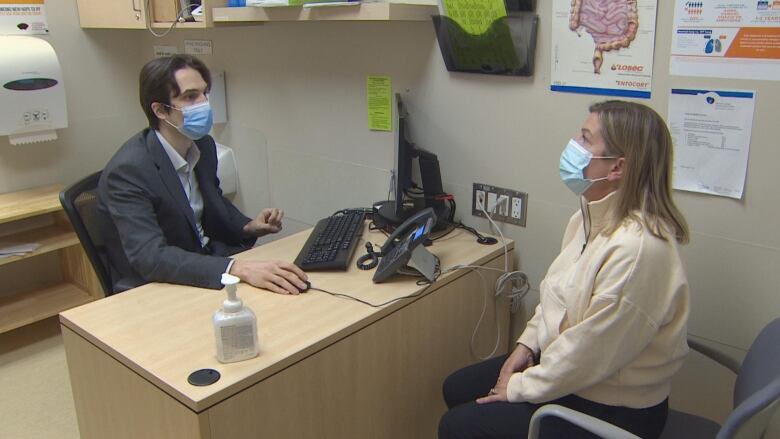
380,110
474,16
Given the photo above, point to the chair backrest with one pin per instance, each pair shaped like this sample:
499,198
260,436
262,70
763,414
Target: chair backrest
761,364
757,389
79,202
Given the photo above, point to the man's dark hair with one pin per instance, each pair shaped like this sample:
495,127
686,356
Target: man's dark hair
158,81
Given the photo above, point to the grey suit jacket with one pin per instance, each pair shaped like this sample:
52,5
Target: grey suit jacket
147,223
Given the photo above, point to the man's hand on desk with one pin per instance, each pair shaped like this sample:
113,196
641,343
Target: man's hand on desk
277,276
268,221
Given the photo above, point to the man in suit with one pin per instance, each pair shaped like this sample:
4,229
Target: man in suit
160,210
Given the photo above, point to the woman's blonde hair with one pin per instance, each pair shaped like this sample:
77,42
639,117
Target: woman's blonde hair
638,134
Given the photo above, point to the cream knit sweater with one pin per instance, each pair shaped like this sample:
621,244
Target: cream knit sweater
611,323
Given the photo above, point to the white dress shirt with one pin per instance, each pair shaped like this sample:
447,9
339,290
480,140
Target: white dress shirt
185,171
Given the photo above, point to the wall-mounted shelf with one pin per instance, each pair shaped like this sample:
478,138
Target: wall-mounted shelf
185,25
49,239
42,286
131,14
27,307
29,203
358,12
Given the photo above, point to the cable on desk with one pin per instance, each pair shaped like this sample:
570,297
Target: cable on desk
379,305
365,302
367,210
482,239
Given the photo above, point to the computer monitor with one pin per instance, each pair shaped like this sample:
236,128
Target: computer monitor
403,204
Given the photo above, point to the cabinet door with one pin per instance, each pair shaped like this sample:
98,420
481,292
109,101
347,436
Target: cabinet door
120,14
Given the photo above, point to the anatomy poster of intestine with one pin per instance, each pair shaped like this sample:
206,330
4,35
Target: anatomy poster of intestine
603,47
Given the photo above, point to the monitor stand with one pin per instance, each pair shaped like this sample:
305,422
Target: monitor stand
386,211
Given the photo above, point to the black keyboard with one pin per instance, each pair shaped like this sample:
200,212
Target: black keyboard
332,242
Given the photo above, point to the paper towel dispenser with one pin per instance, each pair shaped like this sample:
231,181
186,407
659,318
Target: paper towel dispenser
226,170
32,94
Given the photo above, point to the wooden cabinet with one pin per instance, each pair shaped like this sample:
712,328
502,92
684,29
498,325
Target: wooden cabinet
121,14
53,277
132,14
379,11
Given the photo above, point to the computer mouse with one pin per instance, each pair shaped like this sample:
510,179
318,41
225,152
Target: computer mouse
308,285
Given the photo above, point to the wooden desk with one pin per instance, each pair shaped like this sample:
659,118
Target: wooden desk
328,367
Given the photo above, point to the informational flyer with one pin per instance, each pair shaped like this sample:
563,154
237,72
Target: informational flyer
23,17
379,96
603,47
474,16
736,39
711,133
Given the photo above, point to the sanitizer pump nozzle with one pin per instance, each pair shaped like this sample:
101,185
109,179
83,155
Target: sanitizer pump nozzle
232,303
235,326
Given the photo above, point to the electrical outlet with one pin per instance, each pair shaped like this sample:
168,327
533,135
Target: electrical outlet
505,205
517,208
479,199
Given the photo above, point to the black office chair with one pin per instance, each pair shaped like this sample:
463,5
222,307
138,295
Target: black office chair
79,200
756,398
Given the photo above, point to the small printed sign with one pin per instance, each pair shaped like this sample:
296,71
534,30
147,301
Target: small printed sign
23,17
197,47
160,51
379,98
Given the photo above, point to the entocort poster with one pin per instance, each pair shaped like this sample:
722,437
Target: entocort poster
23,17
603,47
736,39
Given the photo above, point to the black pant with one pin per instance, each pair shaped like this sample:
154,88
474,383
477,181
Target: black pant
467,419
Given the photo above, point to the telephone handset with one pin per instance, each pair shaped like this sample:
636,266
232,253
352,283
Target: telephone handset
400,245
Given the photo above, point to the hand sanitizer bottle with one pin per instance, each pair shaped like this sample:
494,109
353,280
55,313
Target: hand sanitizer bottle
235,326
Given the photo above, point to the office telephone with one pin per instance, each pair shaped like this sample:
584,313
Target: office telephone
403,245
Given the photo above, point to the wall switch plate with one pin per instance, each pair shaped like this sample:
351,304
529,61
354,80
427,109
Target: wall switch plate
491,202
507,205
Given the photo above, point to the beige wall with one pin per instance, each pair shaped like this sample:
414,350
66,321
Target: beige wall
100,70
297,111
296,97
296,103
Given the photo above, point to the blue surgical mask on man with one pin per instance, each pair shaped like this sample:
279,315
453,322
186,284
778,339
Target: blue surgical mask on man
574,159
198,119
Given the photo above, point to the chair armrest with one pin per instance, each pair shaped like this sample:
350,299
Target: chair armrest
593,425
752,417
715,355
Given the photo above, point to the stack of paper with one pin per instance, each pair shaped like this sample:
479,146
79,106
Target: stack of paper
17,250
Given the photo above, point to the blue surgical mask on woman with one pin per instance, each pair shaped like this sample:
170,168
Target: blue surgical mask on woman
574,160
198,119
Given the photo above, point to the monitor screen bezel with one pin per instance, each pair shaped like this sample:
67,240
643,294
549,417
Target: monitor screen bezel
404,153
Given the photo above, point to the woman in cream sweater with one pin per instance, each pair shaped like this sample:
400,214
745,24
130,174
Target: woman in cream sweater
610,328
